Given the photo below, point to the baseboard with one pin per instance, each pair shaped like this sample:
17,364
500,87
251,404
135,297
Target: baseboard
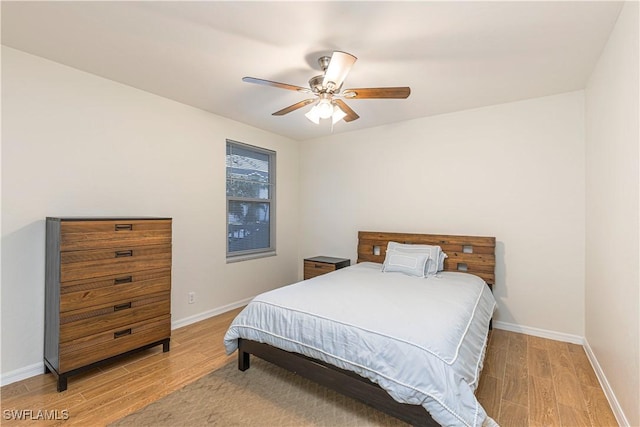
38,368
608,391
536,332
22,373
207,314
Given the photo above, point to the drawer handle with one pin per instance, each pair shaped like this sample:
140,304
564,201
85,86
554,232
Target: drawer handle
122,306
121,280
124,227
319,266
121,333
120,254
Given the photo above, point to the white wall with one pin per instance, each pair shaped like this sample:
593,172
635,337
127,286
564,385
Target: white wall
74,144
514,171
612,230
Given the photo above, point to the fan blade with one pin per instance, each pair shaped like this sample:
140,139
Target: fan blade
275,84
339,66
294,107
377,92
351,115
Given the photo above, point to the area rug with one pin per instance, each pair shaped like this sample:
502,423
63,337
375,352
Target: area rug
264,395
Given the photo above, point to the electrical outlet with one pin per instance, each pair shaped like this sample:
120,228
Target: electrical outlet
192,297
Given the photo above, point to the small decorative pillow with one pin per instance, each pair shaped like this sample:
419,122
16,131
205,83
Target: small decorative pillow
412,264
434,261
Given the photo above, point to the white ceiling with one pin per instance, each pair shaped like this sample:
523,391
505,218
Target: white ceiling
453,55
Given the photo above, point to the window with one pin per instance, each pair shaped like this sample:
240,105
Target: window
250,201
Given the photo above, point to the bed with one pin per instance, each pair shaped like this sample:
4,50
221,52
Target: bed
411,347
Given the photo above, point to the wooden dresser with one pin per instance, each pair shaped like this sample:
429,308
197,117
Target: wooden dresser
320,265
107,290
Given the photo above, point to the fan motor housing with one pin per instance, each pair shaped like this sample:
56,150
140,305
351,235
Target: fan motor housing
316,85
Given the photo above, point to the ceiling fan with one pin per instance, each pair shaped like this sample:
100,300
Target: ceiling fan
326,89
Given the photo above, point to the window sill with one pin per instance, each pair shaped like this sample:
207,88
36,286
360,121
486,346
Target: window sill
238,258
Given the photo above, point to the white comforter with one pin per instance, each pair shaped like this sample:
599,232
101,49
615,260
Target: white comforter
421,339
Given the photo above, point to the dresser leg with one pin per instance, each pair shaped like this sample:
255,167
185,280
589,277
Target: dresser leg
165,346
62,383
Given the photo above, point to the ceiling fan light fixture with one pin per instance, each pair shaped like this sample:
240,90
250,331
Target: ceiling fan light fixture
313,115
338,114
324,108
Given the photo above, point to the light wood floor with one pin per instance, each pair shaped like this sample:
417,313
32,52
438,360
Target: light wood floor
531,381
526,381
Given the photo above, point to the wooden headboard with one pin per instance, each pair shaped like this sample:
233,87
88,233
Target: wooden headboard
471,254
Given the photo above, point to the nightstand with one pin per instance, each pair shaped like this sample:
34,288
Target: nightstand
320,265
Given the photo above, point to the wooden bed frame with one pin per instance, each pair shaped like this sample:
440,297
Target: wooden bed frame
471,254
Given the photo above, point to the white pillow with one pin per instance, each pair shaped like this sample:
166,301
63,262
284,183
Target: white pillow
435,261
441,259
412,264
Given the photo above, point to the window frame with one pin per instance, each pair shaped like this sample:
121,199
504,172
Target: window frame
235,256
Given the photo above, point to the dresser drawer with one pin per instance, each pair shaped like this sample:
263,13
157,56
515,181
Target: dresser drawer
86,350
76,265
78,235
118,314
104,290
